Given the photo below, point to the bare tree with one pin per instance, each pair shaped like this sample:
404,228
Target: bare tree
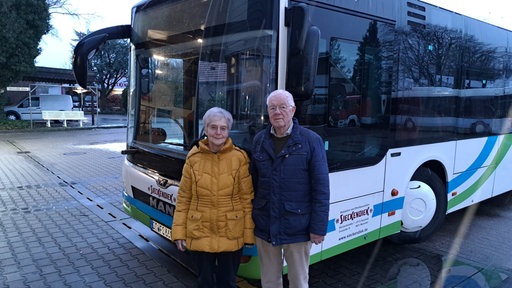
110,64
432,54
61,7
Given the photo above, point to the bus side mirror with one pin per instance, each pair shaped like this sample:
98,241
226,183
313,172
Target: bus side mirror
84,51
302,52
90,44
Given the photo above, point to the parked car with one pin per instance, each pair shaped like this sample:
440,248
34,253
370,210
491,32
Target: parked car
76,102
86,103
30,108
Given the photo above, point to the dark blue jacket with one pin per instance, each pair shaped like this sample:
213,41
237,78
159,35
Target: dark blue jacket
291,188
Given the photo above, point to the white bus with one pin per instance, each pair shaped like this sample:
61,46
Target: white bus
475,110
190,55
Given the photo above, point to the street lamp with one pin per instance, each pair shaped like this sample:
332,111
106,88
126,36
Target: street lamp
79,89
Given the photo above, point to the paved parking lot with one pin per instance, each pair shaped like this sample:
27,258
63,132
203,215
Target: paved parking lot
61,223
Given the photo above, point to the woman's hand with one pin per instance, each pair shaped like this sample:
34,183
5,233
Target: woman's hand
182,245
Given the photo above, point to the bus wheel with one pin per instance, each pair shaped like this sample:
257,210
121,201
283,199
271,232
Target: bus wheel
409,124
480,127
424,208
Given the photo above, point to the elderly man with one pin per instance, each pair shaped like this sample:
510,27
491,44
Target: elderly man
291,183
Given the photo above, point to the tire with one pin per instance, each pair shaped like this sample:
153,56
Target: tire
424,208
480,127
409,125
12,116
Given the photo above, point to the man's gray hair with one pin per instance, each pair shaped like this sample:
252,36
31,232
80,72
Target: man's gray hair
288,95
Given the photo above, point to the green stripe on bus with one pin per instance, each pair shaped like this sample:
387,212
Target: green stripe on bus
138,215
361,240
500,155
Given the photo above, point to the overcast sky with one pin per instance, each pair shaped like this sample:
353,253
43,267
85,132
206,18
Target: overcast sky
496,12
57,48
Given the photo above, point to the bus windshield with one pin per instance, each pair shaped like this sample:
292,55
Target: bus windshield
189,56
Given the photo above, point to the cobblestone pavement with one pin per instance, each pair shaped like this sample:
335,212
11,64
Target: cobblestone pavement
61,223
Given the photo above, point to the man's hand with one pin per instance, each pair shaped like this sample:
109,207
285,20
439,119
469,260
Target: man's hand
316,239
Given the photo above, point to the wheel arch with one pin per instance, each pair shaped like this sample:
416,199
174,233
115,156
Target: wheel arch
438,168
12,112
409,124
438,179
354,118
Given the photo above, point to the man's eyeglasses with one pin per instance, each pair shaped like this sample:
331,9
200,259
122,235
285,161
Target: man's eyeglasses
281,108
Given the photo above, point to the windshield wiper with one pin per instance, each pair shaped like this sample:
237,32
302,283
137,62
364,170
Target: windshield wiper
174,143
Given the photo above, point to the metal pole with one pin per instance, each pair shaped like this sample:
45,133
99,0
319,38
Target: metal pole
30,105
92,108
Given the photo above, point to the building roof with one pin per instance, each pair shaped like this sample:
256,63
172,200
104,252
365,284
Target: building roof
55,75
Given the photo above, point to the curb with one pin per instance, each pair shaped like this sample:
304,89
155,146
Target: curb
52,129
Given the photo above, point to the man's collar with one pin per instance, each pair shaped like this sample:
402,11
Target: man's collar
288,132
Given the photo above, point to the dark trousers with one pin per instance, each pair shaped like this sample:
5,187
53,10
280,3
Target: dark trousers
219,268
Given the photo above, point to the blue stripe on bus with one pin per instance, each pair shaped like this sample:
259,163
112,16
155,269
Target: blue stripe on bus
471,170
331,225
167,220
388,206
150,211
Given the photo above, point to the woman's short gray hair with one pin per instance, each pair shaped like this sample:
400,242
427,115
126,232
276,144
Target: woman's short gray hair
217,112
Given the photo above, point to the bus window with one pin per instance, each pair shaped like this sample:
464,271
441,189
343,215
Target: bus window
351,76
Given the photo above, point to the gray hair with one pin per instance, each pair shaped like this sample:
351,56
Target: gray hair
288,95
217,112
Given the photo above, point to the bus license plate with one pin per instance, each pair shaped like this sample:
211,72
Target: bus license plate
161,229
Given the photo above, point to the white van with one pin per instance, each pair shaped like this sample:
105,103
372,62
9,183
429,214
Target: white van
30,109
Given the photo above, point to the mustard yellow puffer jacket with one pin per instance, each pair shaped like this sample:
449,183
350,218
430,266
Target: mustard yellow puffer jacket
213,210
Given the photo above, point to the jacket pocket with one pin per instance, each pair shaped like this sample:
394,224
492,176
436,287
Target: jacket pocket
263,163
296,218
235,224
297,162
195,227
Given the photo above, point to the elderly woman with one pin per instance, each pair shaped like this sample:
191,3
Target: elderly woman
213,210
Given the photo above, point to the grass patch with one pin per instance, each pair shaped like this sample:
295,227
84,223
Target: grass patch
14,124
